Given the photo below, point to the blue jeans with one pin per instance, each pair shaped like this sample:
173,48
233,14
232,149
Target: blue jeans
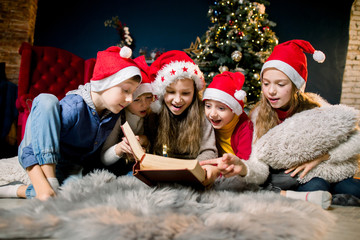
40,144
346,186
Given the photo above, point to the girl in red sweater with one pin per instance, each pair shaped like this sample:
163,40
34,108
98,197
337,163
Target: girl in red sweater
224,103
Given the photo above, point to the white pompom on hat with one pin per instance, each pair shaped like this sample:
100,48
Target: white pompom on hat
289,58
169,67
112,67
227,89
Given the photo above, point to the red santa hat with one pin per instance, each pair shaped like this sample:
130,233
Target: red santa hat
226,88
167,68
289,58
145,86
112,67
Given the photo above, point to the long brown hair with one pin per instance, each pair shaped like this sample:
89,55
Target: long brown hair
267,117
182,134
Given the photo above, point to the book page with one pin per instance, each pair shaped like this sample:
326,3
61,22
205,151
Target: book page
134,143
159,162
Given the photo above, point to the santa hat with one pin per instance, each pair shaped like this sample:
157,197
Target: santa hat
289,58
167,68
145,86
112,67
226,88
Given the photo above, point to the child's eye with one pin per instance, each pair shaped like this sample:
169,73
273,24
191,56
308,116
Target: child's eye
186,93
136,100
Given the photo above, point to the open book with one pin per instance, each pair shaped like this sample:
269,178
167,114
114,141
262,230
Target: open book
153,169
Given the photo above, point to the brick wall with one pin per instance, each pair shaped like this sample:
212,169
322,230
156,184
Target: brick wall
351,82
17,24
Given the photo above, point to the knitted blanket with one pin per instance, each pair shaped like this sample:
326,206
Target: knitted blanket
310,134
101,206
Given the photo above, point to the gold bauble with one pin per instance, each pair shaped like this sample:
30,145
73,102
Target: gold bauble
236,56
223,69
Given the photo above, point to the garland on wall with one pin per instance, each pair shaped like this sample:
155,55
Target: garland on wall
123,31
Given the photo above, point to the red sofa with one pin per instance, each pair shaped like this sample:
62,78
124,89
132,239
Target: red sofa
47,70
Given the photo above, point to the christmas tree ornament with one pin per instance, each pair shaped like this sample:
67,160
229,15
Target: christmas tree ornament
257,76
236,56
212,74
239,69
223,69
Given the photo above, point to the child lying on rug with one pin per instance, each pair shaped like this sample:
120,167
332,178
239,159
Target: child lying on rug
224,102
177,126
116,150
298,134
66,135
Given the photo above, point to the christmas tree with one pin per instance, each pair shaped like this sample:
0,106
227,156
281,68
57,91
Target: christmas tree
240,40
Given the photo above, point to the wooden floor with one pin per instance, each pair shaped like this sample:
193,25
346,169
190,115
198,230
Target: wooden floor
347,227
348,223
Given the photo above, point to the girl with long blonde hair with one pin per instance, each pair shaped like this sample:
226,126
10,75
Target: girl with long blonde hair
177,127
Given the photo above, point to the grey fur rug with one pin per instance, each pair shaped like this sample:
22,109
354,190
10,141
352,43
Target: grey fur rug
101,206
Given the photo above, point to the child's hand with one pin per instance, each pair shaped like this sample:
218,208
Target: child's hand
144,141
212,173
229,165
306,167
123,147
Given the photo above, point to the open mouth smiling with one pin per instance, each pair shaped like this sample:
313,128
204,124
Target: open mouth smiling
215,122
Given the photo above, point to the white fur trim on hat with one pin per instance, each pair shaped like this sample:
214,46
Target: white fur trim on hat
177,70
143,88
293,75
115,79
225,98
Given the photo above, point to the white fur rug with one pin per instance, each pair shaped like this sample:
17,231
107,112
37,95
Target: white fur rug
101,206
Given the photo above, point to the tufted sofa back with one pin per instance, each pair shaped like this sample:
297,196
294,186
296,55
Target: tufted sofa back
48,70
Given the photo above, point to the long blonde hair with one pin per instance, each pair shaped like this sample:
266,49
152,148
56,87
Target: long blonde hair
267,117
182,134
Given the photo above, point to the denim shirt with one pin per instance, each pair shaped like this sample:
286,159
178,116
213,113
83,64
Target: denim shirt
82,130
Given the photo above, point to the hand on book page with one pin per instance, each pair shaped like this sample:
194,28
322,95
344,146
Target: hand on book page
123,147
135,145
212,173
228,165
